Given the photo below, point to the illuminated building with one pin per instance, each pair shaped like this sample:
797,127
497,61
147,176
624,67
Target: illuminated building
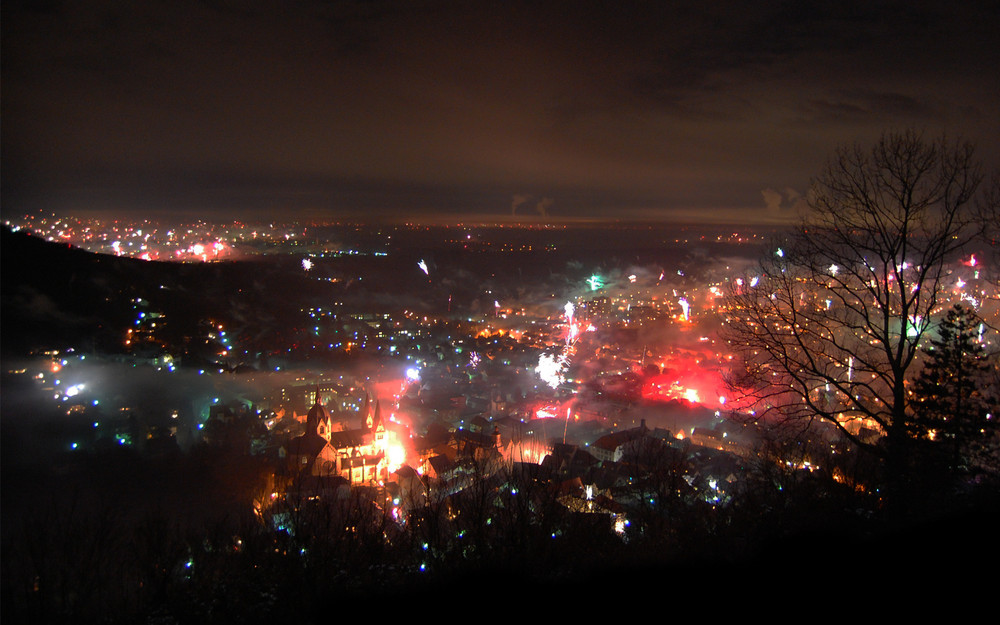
359,455
612,446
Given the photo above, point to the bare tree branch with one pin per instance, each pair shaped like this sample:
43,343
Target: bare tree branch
831,326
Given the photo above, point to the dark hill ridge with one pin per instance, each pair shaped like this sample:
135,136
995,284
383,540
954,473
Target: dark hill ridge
55,296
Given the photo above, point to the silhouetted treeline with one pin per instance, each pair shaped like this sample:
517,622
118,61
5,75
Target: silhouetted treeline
130,539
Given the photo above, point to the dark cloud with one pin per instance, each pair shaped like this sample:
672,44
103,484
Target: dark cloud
869,106
614,108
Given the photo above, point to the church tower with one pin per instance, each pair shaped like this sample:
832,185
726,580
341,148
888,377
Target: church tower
366,410
377,427
318,420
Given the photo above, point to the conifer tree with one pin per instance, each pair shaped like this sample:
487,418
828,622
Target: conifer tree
955,396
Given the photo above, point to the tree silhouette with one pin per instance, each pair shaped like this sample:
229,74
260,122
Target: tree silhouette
830,324
955,399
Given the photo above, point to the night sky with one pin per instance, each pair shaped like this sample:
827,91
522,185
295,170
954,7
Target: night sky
307,109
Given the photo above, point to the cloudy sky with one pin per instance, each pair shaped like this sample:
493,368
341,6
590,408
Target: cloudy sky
668,109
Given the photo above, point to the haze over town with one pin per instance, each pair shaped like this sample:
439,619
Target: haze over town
468,305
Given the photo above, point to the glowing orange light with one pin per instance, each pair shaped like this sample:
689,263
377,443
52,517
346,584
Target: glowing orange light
395,456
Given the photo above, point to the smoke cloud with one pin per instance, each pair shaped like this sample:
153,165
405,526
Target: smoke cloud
784,202
519,199
543,206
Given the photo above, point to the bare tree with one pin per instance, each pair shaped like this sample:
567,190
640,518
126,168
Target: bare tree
829,329
989,210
